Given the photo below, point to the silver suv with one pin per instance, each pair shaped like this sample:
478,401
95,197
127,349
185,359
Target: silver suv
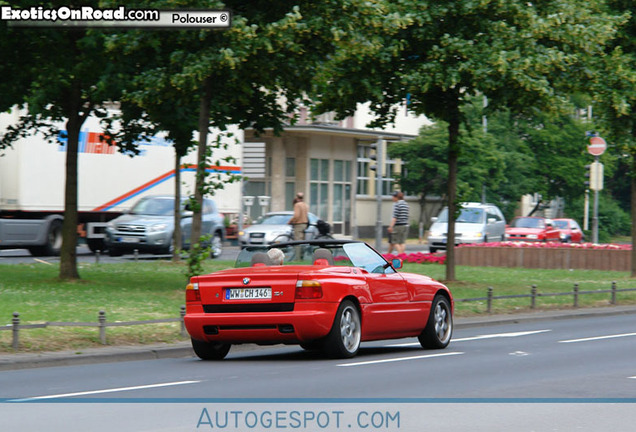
477,223
149,225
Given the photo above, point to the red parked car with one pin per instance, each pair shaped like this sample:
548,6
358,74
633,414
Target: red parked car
570,230
329,295
533,229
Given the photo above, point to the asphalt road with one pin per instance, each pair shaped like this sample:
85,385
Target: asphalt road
577,374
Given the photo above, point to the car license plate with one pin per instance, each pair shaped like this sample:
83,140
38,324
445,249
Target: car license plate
248,293
129,239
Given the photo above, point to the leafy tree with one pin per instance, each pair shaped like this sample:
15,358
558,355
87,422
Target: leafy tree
614,90
59,75
426,170
252,75
516,53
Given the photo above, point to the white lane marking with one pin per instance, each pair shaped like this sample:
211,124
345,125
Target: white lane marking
480,337
400,359
113,390
634,377
598,338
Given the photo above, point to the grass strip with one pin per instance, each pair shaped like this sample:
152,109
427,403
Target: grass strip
154,290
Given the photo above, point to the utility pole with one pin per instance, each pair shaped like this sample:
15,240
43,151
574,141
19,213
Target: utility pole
596,148
379,158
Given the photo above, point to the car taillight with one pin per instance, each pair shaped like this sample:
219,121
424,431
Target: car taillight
308,289
192,293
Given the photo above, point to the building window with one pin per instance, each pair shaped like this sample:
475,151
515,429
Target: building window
364,171
366,180
290,167
319,187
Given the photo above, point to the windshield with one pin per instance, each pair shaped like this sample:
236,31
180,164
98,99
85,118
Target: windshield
467,215
273,219
154,207
528,223
348,254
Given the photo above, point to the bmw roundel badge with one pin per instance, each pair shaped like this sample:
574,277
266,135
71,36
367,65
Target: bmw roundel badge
246,281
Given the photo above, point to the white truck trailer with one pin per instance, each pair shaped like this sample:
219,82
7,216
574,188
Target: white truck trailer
32,176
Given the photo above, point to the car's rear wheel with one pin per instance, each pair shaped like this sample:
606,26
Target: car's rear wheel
439,328
210,350
343,341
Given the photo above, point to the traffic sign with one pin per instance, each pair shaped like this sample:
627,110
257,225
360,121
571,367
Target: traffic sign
597,146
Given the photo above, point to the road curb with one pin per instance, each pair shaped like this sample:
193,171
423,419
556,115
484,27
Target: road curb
183,349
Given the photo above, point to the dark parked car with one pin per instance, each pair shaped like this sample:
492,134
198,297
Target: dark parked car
149,225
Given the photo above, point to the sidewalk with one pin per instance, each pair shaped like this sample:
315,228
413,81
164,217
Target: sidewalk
109,354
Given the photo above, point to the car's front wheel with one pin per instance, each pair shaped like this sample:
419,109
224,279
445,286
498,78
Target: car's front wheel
343,341
210,350
439,328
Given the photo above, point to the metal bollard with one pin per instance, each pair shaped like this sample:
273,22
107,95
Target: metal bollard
15,322
97,253
136,254
613,301
184,333
576,295
489,309
533,297
101,318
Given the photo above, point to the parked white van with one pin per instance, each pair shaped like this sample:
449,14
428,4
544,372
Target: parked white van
477,223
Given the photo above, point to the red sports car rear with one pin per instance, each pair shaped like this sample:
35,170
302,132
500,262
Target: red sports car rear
333,296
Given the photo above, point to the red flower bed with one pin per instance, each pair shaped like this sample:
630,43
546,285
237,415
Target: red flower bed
418,258
518,244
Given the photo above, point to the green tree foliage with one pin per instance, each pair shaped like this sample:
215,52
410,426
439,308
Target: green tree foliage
253,74
517,53
59,75
614,90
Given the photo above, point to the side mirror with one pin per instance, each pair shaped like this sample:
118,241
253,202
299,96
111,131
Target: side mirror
434,219
396,263
491,221
186,214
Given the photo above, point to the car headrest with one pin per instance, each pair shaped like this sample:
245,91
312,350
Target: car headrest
323,254
260,259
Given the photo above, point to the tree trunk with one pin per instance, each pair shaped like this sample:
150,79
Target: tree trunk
204,124
68,253
453,154
176,235
633,205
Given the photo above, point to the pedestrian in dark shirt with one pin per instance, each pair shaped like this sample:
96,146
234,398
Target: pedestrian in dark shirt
398,228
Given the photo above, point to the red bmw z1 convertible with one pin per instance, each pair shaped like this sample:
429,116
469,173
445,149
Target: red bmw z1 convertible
325,294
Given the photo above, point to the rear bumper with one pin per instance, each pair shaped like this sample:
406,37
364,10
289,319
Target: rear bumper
308,321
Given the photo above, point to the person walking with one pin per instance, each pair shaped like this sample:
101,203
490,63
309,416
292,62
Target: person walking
398,228
300,219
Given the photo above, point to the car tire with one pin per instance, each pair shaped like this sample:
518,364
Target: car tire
311,346
95,245
216,247
53,242
115,252
343,341
439,328
432,250
210,350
